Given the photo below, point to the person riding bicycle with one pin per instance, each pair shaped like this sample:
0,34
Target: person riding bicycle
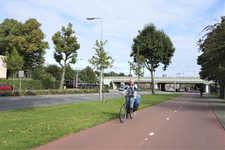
201,91
131,91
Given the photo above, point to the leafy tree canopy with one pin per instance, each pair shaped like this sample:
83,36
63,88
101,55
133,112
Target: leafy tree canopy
27,38
212,46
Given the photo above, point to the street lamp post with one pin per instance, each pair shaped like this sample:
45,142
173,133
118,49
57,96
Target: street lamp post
100,94
77,73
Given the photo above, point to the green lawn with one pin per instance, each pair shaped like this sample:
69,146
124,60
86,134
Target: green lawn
32,127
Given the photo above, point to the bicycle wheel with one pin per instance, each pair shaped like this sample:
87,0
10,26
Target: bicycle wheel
123,113
132,114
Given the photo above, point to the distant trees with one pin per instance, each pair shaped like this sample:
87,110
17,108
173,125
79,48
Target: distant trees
87,75
40,73
155,46
55,71
70,73
213,53
66,47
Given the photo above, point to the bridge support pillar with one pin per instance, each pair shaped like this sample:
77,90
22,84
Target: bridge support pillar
163,87
156,86
207,88
114,86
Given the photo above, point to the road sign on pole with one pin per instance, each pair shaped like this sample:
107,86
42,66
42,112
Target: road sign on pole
21,74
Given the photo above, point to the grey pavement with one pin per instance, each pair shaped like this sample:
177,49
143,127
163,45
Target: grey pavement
218,106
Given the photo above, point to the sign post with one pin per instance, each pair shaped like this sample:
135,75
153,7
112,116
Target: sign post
21,74
54,83
76,80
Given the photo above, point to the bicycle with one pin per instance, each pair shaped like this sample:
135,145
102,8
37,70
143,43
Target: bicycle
125,110
201,93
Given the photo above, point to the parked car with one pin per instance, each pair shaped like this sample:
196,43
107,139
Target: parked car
121,88
5,87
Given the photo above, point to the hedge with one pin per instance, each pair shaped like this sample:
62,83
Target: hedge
31,84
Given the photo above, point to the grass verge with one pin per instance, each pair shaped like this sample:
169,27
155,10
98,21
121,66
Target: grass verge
32,127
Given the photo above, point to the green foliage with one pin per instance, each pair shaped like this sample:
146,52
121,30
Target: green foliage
155,46
41,74
66,47
111,84
121,74
26,38
13,62
138,65
5,29
55,71
87,75
32,84
112,73
212,46
101,60
70,73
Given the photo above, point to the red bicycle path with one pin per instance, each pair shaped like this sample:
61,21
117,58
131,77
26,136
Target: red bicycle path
184,122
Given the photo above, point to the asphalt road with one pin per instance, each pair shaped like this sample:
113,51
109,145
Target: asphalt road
20,102
185,122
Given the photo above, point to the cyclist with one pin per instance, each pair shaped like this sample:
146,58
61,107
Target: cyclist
201,91
131,90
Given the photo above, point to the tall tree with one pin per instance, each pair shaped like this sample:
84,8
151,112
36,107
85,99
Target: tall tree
27,38
101,60
13,62
66,47
155,46
87,75
212,61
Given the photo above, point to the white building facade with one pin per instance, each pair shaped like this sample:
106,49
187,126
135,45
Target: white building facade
3,70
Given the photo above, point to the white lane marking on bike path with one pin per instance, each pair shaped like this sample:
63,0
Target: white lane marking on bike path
67,99
152,133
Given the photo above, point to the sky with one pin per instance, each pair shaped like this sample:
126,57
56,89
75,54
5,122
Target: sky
181,20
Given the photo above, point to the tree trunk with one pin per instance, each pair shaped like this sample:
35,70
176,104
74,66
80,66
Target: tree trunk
103,85
139,83
64,68
153,82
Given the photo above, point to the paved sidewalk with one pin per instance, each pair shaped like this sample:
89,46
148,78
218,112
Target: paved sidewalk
218,107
